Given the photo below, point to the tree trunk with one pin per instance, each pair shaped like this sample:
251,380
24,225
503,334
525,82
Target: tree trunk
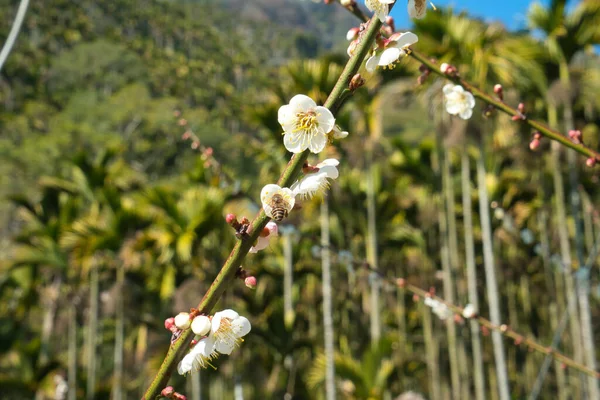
72,351
431,351
479,372
288,267
92,331
327,303
490,276
119,333
372,259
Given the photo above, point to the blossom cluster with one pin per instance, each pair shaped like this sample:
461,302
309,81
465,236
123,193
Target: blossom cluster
215,335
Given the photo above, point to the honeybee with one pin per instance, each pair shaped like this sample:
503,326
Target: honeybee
277,201
279,207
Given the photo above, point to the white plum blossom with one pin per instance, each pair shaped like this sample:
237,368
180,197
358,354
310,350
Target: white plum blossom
438,308
305,124
316,182
277,201
263,241
226,332
381,8
417,8
198,357
201,325
394,48
469,311
458,101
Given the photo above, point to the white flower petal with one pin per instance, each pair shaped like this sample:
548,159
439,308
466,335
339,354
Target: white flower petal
261,244
268,191
228,313
285,114
330,161
466,114
389,56
241,326
224,347
325,119
295,142
201,325
448,88
406,39
453,108
318,143
301,102
372,63
330,171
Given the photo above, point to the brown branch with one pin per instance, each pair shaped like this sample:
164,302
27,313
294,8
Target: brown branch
538,126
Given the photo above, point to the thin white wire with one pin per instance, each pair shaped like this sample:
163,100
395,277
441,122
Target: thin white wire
14,32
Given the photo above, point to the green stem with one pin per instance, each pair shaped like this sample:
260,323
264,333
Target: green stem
179,347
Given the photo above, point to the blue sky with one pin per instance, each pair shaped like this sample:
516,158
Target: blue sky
511,12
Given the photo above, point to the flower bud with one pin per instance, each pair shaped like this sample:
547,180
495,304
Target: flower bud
521,107
250,282
534,144
352,33
469,311
167,392
590,162
182,122
179,396
347,3
356,82
575,136
201,325
498,88
230,218
265,232
444,68
170,324
401,282
390,22
182,320
352,47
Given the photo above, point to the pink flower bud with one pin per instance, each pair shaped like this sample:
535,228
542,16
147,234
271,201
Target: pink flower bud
265,232
390,22
401,282
176,113
497,88
179,396
534,144
575,136
230,218
186,135
521,107
170,323
250,282
356,82
182,122
167,392
415,297
590,162
444,68
195,145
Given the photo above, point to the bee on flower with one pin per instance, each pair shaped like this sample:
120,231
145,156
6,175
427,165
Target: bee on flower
277,201
417,8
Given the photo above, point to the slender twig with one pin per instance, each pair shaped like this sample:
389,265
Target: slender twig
241,248
14,32
540,127
502,328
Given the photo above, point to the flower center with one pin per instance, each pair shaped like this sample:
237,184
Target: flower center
226,334
306,121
